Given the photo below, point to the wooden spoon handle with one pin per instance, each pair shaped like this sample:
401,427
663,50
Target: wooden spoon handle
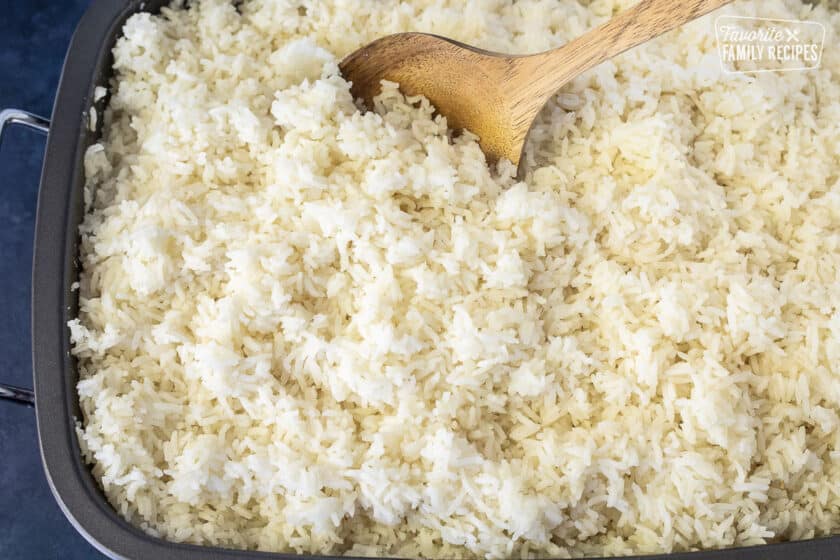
550,70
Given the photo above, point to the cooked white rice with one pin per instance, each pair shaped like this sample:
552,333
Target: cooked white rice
304,328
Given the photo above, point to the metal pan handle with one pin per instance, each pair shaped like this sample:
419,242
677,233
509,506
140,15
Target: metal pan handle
40,124
29,120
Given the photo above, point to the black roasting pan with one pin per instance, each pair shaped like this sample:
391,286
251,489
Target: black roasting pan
60,210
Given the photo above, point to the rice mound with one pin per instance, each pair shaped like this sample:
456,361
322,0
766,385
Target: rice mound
307,328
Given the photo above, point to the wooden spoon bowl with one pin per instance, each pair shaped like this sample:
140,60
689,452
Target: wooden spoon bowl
498,96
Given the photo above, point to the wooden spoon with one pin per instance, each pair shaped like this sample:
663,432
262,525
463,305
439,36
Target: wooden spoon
497,96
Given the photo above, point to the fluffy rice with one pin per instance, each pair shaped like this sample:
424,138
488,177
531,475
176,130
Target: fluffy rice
304,328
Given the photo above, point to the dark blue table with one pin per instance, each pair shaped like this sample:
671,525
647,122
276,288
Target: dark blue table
33,39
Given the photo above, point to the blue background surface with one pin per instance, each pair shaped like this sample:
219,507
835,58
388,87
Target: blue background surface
34,35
